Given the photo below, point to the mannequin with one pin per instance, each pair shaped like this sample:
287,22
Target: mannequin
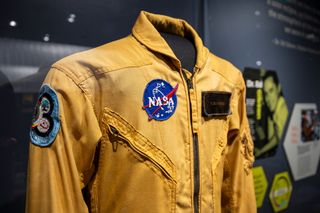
183,48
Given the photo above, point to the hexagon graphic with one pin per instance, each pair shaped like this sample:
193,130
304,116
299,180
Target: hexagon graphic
302,140
280,192
260,184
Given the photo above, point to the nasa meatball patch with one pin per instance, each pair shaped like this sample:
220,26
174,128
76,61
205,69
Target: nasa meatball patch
45,123
160,100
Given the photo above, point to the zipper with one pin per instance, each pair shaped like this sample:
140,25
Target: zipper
196,170
115,132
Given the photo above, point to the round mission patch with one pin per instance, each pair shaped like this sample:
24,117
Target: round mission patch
160,100
45,123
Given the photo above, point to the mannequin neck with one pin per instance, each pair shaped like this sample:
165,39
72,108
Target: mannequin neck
183,48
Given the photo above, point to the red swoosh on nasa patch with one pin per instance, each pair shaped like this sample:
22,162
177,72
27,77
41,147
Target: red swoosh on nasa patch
168,96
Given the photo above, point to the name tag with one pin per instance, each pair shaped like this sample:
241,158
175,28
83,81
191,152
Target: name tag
215,103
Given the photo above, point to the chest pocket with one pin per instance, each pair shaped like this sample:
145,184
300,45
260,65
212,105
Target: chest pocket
136,175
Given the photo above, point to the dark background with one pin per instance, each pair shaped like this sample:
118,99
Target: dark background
239,31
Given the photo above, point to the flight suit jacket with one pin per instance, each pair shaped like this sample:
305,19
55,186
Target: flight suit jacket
104,152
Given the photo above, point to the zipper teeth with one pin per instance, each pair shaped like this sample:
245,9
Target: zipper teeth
116,133
196,172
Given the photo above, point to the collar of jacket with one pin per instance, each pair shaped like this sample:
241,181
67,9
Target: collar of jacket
146,30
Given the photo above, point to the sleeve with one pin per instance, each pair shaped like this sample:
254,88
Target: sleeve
238,187
64,134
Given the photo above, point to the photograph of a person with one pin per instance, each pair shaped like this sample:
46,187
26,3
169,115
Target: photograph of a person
310,126
267,110
276,113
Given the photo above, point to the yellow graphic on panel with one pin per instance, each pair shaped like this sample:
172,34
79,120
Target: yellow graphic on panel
260,184
280,192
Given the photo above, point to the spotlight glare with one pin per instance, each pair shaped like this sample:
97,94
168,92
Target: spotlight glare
13,23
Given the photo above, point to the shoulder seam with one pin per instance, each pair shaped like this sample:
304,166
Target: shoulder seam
229,66
78,85
101,70
69,74
237,85
117,68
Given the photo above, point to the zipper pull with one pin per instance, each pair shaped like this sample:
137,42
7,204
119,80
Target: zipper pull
115,133
188,80
189,83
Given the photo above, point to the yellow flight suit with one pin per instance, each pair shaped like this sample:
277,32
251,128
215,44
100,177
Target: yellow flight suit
105,153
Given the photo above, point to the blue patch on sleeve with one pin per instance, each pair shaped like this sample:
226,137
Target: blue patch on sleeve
46,122
160,100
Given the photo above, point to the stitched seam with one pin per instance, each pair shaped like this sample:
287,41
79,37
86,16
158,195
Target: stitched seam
247,152
118,68
169,183
70,74
83,91
238,86
136,136
101,70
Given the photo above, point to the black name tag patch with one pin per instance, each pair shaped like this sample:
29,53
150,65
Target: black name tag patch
215,103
